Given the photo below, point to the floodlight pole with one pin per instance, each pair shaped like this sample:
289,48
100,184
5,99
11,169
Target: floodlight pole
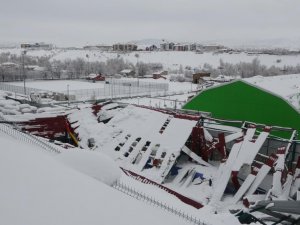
68,93
23,70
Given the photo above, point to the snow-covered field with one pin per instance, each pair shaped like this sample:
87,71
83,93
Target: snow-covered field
285,86
170,60
60,85
84,90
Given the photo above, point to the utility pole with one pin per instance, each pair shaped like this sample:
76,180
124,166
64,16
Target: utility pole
23,69
88,64
68,93
111,87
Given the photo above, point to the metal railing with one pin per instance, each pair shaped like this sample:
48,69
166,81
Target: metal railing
111,89
20,89
152,201
13,131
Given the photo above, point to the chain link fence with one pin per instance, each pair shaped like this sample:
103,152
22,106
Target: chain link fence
20,89
111,89
13,131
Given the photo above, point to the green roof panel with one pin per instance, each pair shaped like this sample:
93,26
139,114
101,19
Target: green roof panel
242,101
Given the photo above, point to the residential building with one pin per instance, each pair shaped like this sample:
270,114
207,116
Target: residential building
127,73
124,47
167,46
160,74
41,45
200,77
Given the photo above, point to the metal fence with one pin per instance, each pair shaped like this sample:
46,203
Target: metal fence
13,131
113,88
152,201
19,89
121,88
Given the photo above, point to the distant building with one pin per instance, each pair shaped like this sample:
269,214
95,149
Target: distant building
34,68
160,74
9,65
193,47
211,48
152,48
181,47
127,73
99,47
124,47
90,47
200,77
95,77
167,46
105,47
37,46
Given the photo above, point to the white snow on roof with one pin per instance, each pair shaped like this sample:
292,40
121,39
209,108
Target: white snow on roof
126,71
126,127
92,75
9,64
286,86
35,67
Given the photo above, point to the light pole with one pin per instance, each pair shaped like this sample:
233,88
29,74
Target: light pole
68,93
23,69
88,64
111,87
137,69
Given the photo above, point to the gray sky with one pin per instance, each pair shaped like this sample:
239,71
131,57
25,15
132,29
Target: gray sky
78,22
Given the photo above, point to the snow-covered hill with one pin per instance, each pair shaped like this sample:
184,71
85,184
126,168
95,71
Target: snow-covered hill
169,59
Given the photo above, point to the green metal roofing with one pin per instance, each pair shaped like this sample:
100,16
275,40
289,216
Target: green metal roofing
240,100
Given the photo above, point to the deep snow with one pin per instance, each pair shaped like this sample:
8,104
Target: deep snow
37,189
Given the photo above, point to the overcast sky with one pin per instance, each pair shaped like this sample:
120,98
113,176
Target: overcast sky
80,22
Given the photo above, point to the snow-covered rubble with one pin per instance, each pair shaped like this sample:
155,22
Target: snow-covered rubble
135,135
11,107
37,188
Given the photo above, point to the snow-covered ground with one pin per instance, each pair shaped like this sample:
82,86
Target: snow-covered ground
170,60
84,90
60,85
159,102
286,86
37,189
63,85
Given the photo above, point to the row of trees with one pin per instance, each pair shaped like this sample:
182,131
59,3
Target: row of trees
250,69
73,69
70,69
242,69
